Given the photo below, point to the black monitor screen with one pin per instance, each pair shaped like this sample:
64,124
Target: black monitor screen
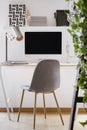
43,42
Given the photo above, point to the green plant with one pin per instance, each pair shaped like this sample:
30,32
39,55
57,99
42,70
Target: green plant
78,31
77,17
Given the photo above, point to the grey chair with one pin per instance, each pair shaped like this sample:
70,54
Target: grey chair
46,79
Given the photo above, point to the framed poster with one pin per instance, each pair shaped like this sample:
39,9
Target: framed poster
17,14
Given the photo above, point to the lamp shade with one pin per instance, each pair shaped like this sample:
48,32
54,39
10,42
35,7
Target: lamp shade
18,33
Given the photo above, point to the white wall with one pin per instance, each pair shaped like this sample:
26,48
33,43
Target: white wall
15,76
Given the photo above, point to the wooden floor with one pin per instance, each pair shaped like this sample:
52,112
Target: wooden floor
52,122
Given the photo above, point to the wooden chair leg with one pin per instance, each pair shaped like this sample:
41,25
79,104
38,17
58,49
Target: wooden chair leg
58,107
44,105
20,105
35,110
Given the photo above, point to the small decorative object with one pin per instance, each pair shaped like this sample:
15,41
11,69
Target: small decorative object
67,52
61,17
17,14
27,17
38,21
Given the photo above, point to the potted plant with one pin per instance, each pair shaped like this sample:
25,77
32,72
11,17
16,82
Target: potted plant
77,18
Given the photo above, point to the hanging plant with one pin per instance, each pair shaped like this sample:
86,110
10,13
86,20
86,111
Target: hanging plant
77,18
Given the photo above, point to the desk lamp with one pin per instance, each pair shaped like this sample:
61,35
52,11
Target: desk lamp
18,36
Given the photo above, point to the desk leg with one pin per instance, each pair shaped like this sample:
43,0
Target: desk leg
73,110
5,96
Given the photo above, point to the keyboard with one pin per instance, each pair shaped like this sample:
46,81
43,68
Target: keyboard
14,62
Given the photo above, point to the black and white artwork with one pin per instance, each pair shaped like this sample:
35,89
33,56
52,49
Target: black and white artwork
17,14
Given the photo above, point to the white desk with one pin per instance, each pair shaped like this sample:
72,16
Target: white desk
3,87
64,67
4,93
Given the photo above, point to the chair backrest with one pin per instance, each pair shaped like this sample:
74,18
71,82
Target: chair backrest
46,76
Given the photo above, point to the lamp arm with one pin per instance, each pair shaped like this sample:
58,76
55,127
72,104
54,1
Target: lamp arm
19,37
6,47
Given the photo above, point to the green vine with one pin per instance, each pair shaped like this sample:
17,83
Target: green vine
78,30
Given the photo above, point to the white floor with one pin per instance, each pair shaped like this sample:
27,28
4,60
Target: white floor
51,123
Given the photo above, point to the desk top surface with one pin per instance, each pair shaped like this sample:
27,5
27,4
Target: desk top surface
20,63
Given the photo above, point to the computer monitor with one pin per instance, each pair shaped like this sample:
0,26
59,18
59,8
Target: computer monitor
43,43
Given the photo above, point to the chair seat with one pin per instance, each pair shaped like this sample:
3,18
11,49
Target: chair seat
25,87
